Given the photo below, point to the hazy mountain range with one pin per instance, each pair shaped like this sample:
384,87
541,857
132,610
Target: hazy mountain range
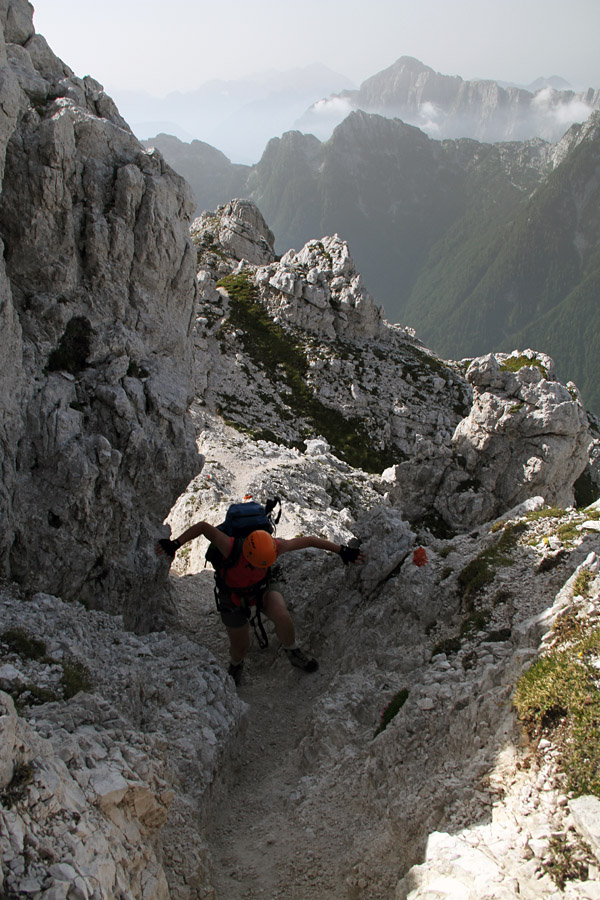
238,117
448,106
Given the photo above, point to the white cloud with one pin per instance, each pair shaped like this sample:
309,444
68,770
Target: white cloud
333,108
429,115
550,104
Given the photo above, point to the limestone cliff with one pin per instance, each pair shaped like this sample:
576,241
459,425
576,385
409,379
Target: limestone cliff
97,302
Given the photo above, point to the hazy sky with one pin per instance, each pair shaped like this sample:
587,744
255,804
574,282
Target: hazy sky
163,45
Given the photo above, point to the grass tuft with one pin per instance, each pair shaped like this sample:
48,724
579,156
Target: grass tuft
560,695
270,346
481,571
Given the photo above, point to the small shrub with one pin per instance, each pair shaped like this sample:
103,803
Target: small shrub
568,863
76,677
23,644
476,621
447,646
16,789
499,635
34,695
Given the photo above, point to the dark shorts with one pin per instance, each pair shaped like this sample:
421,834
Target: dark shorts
233,616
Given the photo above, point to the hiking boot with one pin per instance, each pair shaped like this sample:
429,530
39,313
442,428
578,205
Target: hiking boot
235,670
298,658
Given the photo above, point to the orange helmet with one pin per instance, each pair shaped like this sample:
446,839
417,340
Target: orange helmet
260,549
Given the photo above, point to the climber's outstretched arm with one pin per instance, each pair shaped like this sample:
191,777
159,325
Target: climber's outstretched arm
348,554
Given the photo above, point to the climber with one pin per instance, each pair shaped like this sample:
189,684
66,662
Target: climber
248,579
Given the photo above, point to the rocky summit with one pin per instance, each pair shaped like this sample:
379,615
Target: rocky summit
161,369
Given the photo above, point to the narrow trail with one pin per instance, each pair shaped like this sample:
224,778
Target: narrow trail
261,844
267,840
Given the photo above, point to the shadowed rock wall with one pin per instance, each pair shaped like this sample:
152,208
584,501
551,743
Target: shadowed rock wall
96,307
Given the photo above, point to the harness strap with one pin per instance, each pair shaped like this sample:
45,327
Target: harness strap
222,590
259,629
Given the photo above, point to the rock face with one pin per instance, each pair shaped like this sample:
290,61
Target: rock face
240,231
98,296
297,349
101,790
303,390
480,247
447,106
526,435
447,786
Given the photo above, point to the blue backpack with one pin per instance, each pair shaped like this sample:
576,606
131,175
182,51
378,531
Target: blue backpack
241,520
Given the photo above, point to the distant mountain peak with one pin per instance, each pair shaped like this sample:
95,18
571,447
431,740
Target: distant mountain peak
447,106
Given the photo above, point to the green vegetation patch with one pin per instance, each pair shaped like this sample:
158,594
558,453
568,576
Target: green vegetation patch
514,363
481,571
391,710
550,512
583,582
23,644
560,695
76,677
270,346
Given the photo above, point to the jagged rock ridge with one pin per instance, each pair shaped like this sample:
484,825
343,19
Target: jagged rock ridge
479,247
526,433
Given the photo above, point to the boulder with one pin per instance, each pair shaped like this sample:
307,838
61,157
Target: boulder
526,435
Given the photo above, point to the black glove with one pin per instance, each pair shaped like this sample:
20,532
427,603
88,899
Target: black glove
349,554
169,547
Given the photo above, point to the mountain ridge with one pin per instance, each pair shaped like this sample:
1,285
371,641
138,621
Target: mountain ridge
448,106
428,219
